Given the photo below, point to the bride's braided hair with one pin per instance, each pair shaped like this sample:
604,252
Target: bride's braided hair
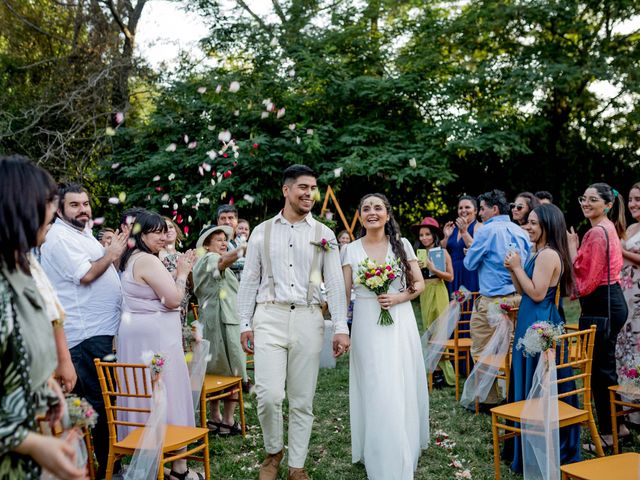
392,230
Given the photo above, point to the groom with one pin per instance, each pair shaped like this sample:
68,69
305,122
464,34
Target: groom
281,318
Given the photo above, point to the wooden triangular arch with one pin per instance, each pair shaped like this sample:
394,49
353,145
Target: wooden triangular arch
349,227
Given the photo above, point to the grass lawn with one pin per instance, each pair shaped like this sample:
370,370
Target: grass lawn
330,448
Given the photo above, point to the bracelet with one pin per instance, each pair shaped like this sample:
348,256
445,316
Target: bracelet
181,283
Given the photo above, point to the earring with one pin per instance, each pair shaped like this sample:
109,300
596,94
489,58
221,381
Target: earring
606,209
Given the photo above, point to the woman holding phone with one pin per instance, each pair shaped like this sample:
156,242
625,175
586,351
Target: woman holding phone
434,299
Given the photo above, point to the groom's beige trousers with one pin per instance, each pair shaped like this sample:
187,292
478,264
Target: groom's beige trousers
288,341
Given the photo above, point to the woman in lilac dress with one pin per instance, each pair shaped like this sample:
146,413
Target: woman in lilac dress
151,321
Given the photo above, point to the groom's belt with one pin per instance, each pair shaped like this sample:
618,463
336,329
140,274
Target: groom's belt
291,305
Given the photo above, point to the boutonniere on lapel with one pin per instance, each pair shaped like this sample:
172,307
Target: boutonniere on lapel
324,245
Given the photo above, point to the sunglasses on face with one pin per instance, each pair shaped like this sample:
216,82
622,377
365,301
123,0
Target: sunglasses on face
582,199
517,206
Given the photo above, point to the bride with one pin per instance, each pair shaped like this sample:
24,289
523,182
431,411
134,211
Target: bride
388,394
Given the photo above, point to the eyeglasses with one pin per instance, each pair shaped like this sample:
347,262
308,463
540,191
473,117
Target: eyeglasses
582,199
517,206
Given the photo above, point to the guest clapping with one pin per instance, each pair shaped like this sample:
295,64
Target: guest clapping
597,272
457,239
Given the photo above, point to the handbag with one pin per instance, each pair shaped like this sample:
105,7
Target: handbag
603,325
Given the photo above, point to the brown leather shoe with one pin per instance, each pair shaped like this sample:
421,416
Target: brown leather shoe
269,468
298,474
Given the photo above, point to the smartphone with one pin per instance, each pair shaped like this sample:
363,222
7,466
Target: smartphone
512,247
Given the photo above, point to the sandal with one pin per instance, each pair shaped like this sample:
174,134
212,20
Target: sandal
215,428
234,429
184,475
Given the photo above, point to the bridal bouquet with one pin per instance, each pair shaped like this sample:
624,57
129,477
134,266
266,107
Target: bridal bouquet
629,377
378,278
539,338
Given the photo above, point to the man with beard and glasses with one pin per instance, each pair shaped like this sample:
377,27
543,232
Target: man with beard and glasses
88,285
279,308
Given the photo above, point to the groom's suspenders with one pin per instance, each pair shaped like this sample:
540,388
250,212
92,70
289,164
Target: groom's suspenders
314,278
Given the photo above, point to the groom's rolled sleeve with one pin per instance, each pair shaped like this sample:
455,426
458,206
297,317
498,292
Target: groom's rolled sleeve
249,284
336,297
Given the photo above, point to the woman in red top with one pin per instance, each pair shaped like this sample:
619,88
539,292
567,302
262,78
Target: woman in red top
603,206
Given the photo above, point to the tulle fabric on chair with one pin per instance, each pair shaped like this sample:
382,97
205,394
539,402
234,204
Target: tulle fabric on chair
540,424
197,370
146,459
434,340
486,369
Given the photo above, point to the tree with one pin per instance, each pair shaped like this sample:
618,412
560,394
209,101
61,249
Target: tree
515,86
64,74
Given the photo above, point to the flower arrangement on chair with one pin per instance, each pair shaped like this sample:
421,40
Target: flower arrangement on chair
629,377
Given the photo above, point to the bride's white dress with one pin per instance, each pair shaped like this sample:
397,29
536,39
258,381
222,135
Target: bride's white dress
388,395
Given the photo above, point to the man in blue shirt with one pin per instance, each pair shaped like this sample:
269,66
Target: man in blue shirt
486,255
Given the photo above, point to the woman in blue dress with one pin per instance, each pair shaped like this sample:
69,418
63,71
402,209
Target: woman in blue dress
546,271
458,237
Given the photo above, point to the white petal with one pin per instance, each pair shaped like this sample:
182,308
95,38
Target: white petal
224,136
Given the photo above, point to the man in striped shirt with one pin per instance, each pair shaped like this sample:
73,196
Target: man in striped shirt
281,319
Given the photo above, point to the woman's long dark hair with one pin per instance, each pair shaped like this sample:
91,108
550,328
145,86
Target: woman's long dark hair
392,229
145,222
616,214
554,227
25,192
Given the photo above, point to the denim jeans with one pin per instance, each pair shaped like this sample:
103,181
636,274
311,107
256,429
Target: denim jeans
88,386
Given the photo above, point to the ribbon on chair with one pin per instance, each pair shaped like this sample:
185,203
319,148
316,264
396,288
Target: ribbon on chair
491,361
540,423
146,458
434,340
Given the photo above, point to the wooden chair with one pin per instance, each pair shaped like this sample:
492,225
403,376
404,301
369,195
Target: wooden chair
250,362
618,467
459,348
504,369
57,431
124,380
614,402
195,308
567,414
217,387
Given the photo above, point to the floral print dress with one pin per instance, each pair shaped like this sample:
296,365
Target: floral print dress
628,346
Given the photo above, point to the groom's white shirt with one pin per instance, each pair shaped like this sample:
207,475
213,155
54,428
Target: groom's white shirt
291,257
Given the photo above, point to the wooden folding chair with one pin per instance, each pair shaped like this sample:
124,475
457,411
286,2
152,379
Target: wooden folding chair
217,387
614,402
618,467
57,431
124,380
567,414
458,348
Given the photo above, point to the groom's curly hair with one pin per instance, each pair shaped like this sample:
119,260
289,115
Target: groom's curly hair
392,229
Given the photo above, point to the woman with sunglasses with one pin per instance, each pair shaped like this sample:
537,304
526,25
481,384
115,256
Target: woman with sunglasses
597,273
525,202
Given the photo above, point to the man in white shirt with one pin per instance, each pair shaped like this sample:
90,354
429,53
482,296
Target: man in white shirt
82,272
281,318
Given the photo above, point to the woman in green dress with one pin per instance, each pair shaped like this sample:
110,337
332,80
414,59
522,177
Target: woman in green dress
216,287
434,300
27,347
